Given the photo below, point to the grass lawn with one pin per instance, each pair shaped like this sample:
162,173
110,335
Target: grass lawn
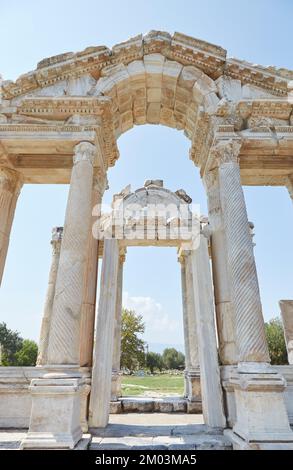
157,385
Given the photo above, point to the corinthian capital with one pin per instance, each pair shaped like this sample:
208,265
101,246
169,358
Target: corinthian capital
57,233
84,151
10,180
226,151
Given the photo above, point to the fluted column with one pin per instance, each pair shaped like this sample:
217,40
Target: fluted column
224,307
88,308
103,353
10,186
181,259
116,377
251,341
65,326
47,314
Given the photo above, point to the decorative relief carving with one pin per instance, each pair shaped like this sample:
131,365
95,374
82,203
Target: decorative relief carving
227,151
84,151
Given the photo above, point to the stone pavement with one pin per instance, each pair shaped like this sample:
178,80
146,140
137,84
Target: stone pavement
143,431
157,431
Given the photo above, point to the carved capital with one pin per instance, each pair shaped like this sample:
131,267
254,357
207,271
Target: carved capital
10,180
227,151
57,233
84,151
211,179
100,182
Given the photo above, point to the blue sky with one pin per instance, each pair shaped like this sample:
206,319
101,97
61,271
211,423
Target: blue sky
258,31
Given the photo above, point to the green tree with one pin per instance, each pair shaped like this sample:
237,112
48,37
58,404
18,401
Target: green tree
11,343
276,341
132,347
173,359
154,361
27,355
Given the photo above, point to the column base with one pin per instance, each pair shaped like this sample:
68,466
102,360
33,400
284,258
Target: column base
56,411
194,390
115,385
260,406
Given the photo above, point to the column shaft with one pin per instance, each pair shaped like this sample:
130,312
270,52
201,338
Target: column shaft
185,323
65,326
251,341
88,308
116,380
225,314
212,397
10,186
48,307
103,353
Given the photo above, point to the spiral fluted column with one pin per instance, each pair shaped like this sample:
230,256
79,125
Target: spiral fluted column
224,306
88,308
65,326
47,315
251,341
10,186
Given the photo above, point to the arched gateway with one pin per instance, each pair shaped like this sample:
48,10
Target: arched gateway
60,124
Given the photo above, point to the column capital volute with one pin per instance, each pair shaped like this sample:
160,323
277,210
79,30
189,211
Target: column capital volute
10,180
84,151
226,151
57,234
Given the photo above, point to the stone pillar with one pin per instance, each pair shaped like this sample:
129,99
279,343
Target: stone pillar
65,328
10,186
47,315
211,390
116,376
287,317
57,397
261,412
193,375
88,308
181,259
103,353
224,307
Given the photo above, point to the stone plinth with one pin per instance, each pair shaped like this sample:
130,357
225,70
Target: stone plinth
55,419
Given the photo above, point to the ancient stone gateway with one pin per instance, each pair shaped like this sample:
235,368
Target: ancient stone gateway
60,124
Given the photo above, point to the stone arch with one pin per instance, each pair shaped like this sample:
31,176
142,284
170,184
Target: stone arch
156,90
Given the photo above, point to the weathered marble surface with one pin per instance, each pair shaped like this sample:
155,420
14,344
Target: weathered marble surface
287,317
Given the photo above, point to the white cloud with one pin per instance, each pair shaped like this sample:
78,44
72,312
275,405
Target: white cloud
159,326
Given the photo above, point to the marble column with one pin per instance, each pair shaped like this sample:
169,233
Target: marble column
47,314
286,307
224,307
181,259
88,308
116,376
10,186
103,353
193,375
211,390
57,397
65,327
261,412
